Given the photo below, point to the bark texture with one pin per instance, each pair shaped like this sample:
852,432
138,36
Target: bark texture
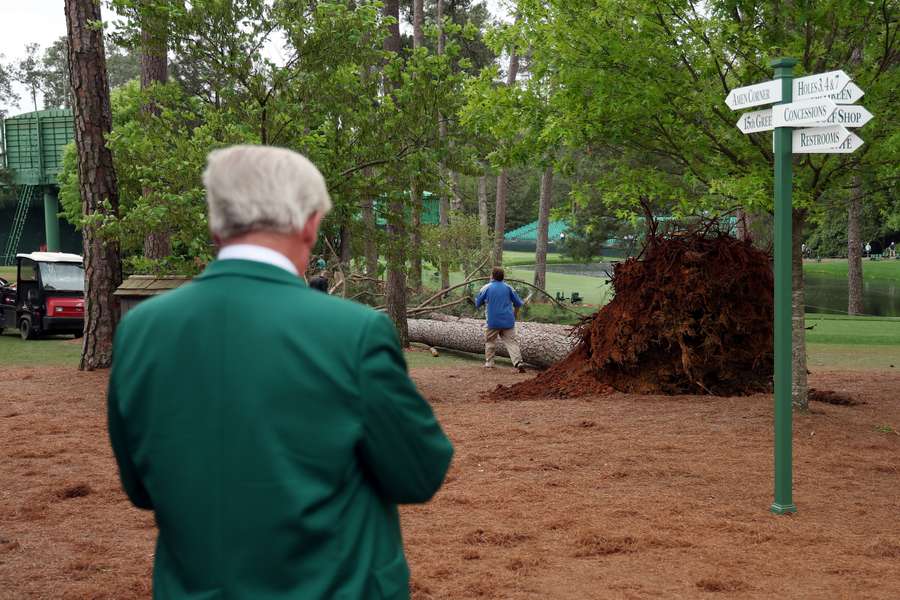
154,69
854,251
483,214
444,202
418,23
540,255
542,345
395,284
415,191
799,386
346,248
97,178
503,178
370,233
456,205
415,251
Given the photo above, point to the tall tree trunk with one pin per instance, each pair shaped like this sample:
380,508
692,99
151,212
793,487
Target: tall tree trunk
483,214
444,201
415,274
415,191
97,178
502,178
395,285
154,69
744,225
854,250
345,249
370,234
456,205
418,23
799,387
540,255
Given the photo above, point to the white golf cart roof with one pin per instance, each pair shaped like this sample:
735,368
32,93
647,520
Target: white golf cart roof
52,257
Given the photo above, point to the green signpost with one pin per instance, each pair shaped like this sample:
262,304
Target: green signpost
784,503
820,135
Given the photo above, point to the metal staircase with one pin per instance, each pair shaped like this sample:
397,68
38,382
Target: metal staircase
26,193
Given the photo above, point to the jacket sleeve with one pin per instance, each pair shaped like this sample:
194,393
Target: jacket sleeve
403,447
514,297
131,482
479,300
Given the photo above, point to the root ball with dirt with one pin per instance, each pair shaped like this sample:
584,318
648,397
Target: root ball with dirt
692,315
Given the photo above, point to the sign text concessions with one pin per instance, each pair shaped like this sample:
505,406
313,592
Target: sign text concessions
805,112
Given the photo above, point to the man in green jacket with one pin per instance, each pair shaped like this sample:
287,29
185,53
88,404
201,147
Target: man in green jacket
271,428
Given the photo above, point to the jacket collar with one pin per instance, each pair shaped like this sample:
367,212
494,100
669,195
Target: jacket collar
236,267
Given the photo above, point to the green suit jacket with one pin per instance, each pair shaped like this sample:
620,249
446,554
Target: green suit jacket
273,429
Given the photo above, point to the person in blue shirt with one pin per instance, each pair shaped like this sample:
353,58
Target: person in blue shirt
502,311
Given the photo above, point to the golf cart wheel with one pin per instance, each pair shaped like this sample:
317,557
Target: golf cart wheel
25,329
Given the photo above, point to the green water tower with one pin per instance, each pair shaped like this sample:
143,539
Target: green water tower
33,150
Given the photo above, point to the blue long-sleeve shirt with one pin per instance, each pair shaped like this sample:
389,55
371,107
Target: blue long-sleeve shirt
500,299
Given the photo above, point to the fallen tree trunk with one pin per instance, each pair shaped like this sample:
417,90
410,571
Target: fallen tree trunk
542,344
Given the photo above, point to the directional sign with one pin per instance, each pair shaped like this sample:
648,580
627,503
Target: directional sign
850,116
850,145
755,121
820,86
850,94
815,140
803,113
767,92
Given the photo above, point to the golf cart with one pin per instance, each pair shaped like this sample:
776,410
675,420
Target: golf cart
47,297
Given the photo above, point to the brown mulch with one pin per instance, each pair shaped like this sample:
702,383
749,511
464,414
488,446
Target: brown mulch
605,496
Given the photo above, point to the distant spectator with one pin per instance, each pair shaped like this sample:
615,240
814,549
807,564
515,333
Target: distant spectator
868,248
502,309
892,250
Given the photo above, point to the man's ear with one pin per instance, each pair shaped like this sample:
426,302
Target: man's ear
310,231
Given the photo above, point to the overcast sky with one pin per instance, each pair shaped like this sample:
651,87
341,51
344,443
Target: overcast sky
43,21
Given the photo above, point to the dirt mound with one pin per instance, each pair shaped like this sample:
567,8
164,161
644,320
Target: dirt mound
692,315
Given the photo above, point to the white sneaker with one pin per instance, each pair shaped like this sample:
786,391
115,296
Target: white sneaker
488,365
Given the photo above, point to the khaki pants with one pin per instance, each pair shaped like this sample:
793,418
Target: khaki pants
509,340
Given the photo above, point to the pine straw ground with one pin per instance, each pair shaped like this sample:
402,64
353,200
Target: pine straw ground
613,496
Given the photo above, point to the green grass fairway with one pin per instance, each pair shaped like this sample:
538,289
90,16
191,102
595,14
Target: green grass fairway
852,331
852,357
8,273
51,351
837,268
512,258
841,342
594,290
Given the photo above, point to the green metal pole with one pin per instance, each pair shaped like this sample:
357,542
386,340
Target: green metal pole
784,503
51,218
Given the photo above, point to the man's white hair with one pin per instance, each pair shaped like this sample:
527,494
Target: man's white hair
261,188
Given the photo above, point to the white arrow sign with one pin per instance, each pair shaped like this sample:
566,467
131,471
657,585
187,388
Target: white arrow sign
819,139
820,85
755,121
803,113
850,94
850,145
767,92
850,116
